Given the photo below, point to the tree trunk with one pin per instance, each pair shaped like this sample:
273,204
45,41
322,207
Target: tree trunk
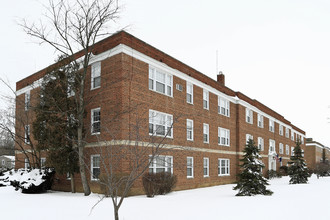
73,187
84,181
116,213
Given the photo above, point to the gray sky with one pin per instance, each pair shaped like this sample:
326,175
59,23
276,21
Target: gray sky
275,51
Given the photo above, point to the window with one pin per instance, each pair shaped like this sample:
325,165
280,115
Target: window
249,115
271,146
260,121
70,89
248,137
287,149
160,124
161,164
281,130
190,93
205,99
42,162
223,167
286,132
96,120
223,106
190,130
223,137
3,162
26,163
160,82
27,100
302,139
27,134
292,135
281,148
206,166
190,167
206,133
271,125
292,151
95,167
96,75
260,143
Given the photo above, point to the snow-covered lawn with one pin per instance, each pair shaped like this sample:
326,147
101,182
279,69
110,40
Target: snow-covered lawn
303,202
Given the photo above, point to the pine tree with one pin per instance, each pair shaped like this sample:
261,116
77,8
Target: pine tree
298,171
251,182
55,127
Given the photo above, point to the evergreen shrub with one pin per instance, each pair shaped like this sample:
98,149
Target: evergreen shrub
271,174
322,169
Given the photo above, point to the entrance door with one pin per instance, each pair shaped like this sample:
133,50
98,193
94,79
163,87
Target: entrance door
272,163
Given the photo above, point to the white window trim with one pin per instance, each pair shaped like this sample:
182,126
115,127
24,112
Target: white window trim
153,165
208,133
271,125
192,92
92,166
281,130
260,121
27,134
261,142
272,143
206,97
26,163
227,136
27,102
167,83
168,119
192,130
287,131
220,166
287,149
191,167
92,120
281,148
223,104
247,137
93,66
292,151
207,166
42,162
249,115
292,135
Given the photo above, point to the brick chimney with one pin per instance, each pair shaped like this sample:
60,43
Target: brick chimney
221,78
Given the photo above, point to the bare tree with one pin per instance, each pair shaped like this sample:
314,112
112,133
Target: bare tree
122,162
73,26
17,126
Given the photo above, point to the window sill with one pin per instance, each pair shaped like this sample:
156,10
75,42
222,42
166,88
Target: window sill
97,133
228,116
190,177
223,145
155,135
206,176
190,103
95,88
171,96
223,174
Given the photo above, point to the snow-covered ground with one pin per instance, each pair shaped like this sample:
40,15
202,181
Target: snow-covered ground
303,202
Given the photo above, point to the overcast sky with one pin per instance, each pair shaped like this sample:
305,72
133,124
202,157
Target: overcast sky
275,51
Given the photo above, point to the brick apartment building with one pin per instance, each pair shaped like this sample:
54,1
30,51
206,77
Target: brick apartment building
314,153
210,121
